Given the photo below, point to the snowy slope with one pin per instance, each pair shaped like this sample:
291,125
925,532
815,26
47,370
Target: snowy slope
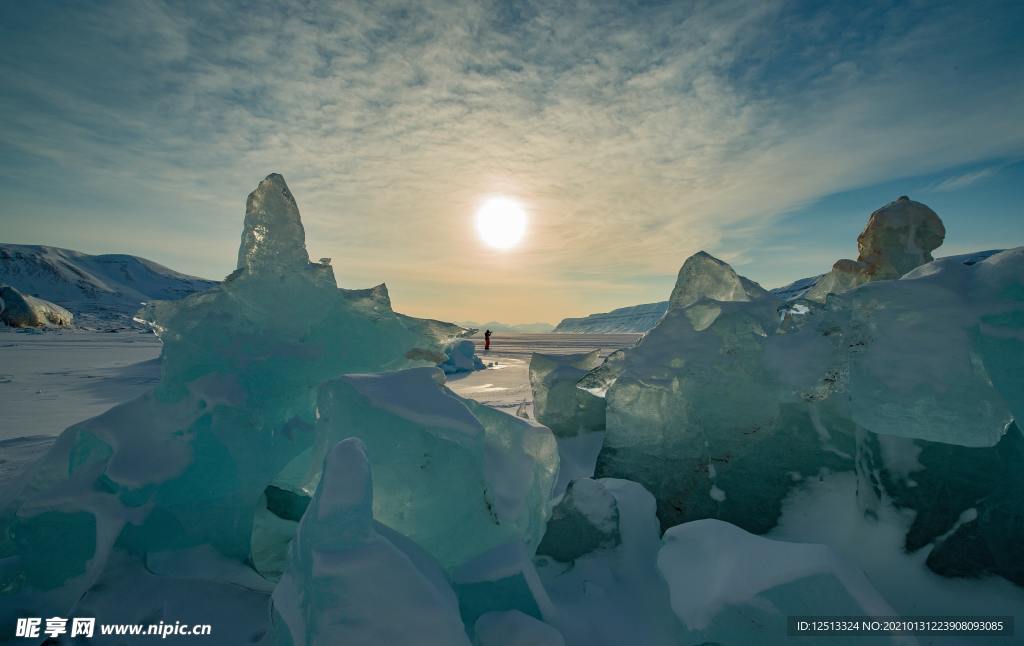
105,288
637,318
796,289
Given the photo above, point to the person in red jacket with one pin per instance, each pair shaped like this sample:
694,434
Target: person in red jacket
487,340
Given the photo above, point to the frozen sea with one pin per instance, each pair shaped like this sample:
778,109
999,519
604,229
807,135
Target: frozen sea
505,384
50,380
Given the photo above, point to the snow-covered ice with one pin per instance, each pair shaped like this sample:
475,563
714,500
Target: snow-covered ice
460,357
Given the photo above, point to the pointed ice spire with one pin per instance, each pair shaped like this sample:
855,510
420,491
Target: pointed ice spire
704,276
273,237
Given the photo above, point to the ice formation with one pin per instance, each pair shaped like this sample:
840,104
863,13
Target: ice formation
738,395
272,235
488,474
898,237
22,310
460,356
703,276
196,464
351,581
557,402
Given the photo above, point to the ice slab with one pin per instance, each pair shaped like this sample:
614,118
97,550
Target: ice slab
489,475
557,401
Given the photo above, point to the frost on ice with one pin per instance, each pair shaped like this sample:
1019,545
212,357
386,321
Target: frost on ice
224,454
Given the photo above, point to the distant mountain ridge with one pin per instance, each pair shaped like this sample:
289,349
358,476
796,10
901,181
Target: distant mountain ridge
101,290
516,328
632,319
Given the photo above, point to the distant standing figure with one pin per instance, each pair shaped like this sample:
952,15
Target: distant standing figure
487,340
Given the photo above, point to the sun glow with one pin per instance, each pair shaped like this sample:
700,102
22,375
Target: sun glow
501,222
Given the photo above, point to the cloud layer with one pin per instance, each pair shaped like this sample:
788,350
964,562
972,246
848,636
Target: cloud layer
635,133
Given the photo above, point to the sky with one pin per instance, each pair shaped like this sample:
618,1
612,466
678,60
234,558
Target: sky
633,133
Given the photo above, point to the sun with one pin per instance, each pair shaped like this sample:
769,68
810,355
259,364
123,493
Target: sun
501,222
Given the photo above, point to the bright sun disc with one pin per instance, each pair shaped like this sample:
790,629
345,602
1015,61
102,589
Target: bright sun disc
501,222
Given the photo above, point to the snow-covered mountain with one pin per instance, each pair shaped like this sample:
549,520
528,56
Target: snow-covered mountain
514,328
102,290
636,318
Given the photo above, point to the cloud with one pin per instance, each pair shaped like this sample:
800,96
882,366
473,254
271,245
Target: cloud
636,133
966,179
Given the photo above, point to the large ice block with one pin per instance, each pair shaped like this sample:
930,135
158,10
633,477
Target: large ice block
558,402
704,276
898,237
